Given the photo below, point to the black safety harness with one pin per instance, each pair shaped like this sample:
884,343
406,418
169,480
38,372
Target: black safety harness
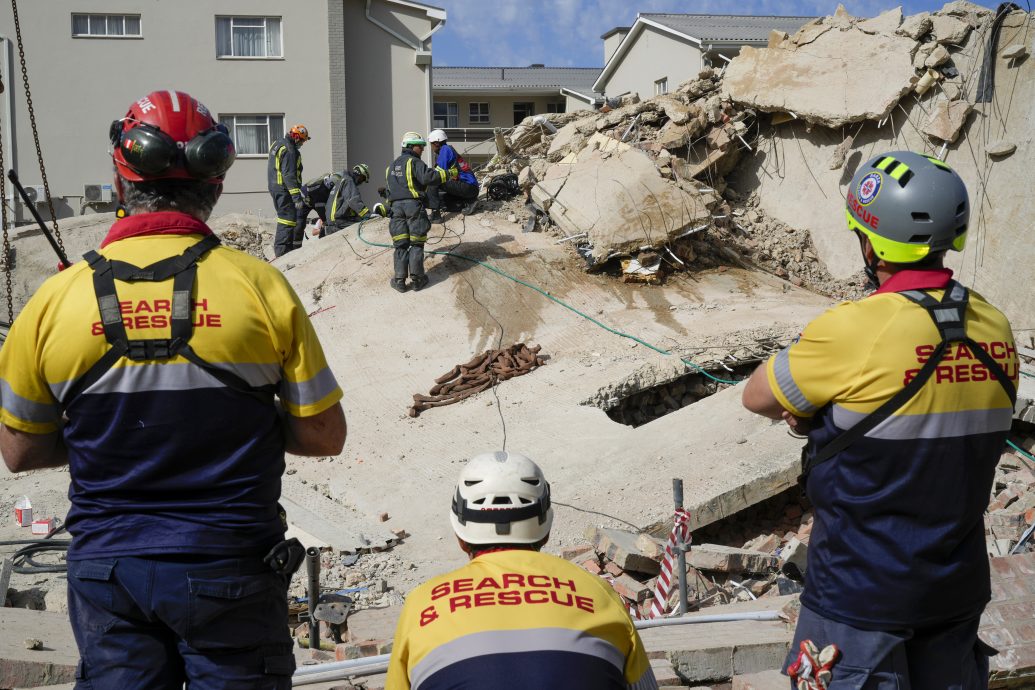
183,270
949,316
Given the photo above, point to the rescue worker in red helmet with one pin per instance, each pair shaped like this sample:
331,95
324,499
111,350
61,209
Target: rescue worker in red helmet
153,370
907,397
284,180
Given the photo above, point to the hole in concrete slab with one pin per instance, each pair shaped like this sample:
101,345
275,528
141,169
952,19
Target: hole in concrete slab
778,515
641,406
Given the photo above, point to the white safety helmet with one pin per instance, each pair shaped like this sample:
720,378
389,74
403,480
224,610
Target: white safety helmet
501,498
437,136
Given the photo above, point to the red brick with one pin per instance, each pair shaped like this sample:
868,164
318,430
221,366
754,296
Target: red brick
1003,567
570,553
591,565
998,637
613,569
1025,632
631,589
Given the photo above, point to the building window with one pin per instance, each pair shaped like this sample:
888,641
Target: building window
523,110
248,37
106,25
446,115
555,107
478,113
661,86
254,134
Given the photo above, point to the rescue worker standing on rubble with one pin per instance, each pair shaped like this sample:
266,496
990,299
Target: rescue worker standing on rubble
346,203
150,369
461,189
408,182
899,466
513,618
284,180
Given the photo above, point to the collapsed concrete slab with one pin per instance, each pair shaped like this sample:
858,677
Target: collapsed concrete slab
614,194
21,667
843,76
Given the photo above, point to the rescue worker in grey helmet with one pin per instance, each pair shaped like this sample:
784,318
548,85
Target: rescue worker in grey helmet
408,182
316,192
284,181
346,205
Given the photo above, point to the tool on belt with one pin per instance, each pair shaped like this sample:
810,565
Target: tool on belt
812,670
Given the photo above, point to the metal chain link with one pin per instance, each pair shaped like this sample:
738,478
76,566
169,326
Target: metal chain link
7,240
32,121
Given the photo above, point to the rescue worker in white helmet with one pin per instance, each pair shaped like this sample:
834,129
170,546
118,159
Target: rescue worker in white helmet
513,618
408,182
907,397
460,192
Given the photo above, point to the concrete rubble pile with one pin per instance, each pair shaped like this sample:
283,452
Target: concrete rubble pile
748,166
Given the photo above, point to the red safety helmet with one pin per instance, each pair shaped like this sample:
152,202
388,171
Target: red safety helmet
170,135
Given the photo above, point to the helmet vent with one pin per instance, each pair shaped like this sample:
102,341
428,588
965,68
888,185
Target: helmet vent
919,239
501,501
472,482
961,209
532,481
905,177
921,217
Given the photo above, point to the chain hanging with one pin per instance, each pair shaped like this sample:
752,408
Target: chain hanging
6,258
32,121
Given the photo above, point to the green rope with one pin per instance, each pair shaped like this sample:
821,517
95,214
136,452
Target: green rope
547,295
1019,450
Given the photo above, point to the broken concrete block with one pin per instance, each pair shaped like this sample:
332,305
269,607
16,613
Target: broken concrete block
767,543
570,553
939,56
631,589
776,37
841,19
673,136
675,109
620,201
613,570
839,63
810,32
949,29
952,90
1017,50
726,559
621,548
591,566
916,26
923,51
1000,149
764,680
837,158
795,554
718,138
947,119
562,141
686,170
884,23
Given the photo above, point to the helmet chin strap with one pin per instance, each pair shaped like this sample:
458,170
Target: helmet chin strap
870,268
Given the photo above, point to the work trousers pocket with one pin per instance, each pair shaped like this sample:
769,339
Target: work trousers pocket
91,595
233,612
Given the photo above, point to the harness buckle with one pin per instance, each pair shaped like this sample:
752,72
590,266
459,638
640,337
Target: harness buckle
157,348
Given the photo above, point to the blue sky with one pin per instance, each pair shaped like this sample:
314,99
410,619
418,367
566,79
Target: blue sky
566,33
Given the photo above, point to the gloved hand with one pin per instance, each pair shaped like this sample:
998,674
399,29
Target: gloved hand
380,210
382,192
454,173
299,203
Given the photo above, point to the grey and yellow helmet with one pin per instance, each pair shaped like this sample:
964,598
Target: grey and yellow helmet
909,206
362,169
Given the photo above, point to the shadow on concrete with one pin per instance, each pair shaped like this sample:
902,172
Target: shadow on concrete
448,266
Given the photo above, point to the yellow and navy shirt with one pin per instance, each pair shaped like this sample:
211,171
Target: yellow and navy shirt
899,535
163,457
517,619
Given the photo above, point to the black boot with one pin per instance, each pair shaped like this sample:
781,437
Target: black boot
436,216
399,284
418,283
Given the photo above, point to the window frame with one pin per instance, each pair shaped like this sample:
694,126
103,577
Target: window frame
661,86
265,29
557,107
446,122
529,106
482,117
232,125
107,17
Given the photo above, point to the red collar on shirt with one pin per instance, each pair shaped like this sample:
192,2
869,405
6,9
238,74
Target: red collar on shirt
933,279
158,223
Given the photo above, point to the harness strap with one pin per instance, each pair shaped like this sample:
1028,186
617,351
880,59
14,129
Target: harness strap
183,270
949,316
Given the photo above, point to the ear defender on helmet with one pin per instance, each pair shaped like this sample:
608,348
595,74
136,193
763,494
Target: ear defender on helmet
151,152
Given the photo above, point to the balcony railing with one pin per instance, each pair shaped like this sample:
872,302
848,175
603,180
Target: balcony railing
469,133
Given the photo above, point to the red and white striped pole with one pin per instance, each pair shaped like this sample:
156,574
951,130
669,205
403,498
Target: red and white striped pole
675,559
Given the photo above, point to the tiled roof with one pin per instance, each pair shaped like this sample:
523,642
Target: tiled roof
486,78
723,28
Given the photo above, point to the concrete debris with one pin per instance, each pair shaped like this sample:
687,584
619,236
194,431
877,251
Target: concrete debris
947,119
628,550
837,159
832,83
949,30
886,23
479,374
1015,51
916,26
937,57
1000,149
729,560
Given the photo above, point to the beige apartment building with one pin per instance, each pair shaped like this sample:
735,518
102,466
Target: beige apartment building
470,102
660,51
357,73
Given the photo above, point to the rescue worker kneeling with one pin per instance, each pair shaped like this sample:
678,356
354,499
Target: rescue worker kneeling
346,205
513,617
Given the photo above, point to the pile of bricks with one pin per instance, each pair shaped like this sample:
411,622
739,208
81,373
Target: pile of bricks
716,574
1011,510
479,374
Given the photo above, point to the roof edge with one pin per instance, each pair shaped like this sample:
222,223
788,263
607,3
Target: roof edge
615,30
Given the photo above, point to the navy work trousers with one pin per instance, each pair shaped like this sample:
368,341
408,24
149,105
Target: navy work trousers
157,623
944,657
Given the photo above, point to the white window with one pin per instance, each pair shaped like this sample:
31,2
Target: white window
249,37
661,86
254,134
446,115
478,113
106,25
555,107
